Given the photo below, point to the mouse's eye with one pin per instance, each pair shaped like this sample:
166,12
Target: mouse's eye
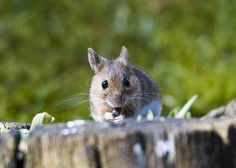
105,84
126,82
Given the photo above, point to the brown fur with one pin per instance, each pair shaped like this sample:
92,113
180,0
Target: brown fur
141,92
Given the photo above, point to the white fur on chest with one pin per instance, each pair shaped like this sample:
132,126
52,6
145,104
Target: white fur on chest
97,118
154,106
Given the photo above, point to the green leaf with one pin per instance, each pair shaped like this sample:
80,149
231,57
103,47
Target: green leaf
40,119
173,112
2,128
188,115
186,107
7,125
139,118
150,115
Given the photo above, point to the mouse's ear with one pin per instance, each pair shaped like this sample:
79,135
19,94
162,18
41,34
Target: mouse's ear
96,62
123,56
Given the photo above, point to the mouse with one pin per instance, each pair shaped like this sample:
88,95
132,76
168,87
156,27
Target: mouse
120,90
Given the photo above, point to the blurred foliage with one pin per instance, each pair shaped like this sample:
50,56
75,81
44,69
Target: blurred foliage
187,46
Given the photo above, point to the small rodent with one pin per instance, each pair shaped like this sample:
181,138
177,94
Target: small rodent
120,90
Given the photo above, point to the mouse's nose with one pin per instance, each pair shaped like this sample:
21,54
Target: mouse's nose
117,102
116,99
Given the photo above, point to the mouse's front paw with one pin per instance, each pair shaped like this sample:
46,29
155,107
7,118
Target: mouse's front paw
108,116
118,118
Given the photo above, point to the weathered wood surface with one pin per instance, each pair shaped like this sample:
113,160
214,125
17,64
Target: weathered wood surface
15,126
9,150
161,143
226,110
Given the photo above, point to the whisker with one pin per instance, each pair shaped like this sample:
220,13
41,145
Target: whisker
77,104
67,100
74,98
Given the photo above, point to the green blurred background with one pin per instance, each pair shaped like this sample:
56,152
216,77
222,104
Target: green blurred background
187,46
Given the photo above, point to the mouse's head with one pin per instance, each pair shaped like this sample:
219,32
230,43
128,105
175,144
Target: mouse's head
114,85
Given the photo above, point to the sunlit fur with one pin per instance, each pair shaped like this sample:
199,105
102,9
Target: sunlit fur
140,93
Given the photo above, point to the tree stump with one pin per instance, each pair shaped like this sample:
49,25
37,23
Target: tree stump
10,157
163,143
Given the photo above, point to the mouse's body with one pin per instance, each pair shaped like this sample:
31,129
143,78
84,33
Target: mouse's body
120,90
